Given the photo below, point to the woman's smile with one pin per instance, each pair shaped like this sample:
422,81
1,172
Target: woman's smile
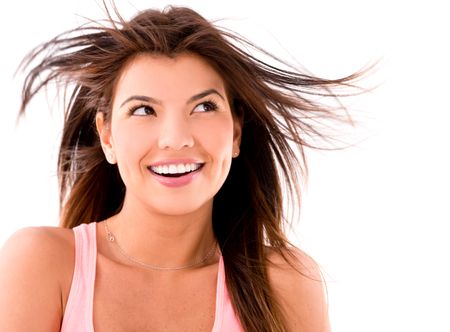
175,173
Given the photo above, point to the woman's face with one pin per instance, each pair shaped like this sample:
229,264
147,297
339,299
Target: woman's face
172,132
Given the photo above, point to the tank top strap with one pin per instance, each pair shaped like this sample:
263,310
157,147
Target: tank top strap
79,307
226,319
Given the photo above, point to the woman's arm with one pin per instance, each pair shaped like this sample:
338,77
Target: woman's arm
301,295
30,287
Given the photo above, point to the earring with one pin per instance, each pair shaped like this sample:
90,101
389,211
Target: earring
235,154
110,157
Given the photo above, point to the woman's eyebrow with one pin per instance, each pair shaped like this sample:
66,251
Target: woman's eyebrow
141,98
204,94
158,102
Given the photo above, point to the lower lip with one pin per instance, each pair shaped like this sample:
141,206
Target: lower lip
174,182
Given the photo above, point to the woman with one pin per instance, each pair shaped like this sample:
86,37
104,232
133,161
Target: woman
175,146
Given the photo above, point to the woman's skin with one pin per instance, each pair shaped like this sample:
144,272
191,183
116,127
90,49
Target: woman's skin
164,111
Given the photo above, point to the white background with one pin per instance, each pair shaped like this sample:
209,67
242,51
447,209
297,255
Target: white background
375,216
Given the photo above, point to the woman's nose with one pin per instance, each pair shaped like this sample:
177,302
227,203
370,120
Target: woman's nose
175,133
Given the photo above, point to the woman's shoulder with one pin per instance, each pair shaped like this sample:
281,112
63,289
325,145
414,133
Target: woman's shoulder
47,242
50,250
44,249
299,287
35,262
293,269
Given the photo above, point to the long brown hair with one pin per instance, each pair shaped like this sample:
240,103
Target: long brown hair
280,113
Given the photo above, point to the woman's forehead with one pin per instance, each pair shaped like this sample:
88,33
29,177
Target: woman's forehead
167,78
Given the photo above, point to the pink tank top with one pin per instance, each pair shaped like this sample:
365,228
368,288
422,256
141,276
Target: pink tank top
78,316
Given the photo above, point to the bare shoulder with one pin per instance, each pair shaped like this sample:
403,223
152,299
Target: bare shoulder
300,289
35,264
39,245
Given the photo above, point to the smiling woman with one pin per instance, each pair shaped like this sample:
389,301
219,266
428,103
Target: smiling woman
175,150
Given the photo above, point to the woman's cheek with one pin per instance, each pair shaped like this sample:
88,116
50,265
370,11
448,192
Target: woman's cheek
217,134
133,141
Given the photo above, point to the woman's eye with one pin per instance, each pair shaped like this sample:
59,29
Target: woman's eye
143,110
207,106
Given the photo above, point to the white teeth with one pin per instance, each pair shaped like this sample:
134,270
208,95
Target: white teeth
175,169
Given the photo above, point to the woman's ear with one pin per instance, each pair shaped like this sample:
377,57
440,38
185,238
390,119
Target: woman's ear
104,133
238,121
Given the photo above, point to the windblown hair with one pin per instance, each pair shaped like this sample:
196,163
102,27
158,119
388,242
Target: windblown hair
280,112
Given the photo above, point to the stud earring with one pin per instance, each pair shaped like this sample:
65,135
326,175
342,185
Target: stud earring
110,157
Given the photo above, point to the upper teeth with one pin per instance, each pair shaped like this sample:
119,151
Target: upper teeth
175,169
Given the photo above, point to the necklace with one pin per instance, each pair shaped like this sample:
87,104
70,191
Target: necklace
111,238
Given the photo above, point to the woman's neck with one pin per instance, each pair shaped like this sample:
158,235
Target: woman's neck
161,239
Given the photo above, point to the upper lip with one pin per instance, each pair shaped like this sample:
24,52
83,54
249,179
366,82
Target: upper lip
176,162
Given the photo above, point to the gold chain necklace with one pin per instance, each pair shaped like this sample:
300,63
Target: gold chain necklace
111,238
